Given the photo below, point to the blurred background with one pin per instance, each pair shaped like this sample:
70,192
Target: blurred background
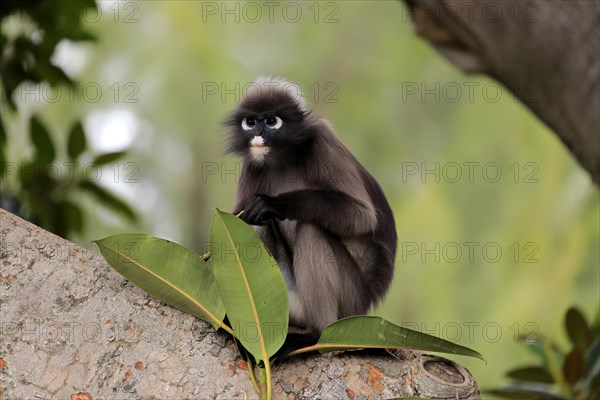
120,131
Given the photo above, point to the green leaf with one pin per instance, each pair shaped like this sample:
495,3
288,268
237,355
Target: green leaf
77,142
107,158
2,134
44,70
593,357
40,138
578,329
251,285
591,382
13,68
596,323
573,366
375,332
531,374
516,392
109,199
543,348
2,149
77,34
554,363
167,271
72,216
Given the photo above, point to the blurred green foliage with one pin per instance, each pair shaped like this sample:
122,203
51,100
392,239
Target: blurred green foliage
574,374
35,187
498,226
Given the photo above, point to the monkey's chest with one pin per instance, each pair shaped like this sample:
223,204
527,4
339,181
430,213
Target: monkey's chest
284,183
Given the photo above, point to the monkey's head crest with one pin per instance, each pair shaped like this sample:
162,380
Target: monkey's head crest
267,87
270,122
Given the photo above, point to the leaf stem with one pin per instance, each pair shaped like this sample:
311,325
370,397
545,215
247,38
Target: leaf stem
269,383
249,363
303,350
226,328
252,377
262,383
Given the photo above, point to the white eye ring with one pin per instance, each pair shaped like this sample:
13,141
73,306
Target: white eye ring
245,125
278,123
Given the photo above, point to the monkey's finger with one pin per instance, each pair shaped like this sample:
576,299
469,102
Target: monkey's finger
240,213
249,217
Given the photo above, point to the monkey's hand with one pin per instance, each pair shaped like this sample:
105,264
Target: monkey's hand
260,210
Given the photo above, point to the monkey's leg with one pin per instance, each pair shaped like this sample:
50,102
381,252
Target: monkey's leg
329,283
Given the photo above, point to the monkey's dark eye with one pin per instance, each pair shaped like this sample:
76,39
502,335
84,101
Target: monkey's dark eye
274,122
248,123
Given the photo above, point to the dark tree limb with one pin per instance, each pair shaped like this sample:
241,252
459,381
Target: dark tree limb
547,52
70,324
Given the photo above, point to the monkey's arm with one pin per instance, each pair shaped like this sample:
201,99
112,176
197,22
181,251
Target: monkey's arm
336,212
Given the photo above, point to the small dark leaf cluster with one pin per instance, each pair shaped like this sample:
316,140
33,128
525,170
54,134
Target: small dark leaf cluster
572,374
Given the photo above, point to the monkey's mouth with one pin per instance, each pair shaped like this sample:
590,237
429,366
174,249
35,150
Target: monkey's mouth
258,147
260,150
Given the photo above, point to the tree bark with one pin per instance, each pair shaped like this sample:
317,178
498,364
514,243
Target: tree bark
71,325
547,52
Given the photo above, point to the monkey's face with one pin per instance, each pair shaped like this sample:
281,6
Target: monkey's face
268,128
261,130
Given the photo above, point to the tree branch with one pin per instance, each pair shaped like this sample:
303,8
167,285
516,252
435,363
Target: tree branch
546,52
71,324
